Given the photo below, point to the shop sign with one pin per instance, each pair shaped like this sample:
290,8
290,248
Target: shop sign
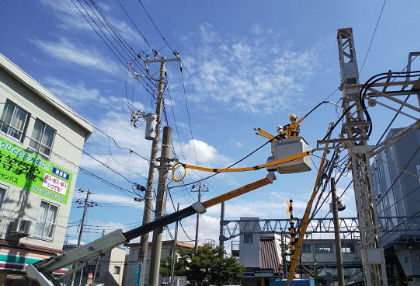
264,272
29,171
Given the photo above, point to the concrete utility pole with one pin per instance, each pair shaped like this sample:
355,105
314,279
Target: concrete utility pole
340,274
148,198
197,226
160,206
222,231
174,250
79,240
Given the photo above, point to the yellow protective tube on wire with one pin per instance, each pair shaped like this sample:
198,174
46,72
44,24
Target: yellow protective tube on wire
206,169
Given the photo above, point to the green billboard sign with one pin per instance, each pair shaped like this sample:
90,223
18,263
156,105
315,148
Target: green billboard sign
29,171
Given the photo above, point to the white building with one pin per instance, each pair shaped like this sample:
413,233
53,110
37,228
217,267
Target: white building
261,253
41,140
397,194
107,269
132,258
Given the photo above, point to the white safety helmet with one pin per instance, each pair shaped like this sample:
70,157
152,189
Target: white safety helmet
279,128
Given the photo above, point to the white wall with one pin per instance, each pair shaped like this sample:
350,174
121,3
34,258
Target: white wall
22,203
249,253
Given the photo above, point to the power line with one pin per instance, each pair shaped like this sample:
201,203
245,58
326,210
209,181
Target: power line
404,222
124,61
134,25
76,147
173,205
65,107
144,8
399,109
100,162
373,36
399,175
188,115
180,223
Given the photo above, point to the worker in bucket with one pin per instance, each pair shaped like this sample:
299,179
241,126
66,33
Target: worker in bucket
292,129
282,133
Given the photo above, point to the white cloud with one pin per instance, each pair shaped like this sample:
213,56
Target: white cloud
209,229
208,35
71,19
76,93
66,51
205,152
113,199
230,71
256,29
196,150
117,125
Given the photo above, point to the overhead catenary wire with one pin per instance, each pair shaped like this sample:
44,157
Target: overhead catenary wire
399,175
415,215
374,79
396,202
373,36
399,109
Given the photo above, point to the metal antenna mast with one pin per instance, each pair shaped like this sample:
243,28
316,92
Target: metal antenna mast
354,136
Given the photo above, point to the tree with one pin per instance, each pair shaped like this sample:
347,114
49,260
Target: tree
208,264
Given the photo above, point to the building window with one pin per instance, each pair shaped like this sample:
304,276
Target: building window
13,121
306,248
117,270
247,237
42,138
347,248
2,196
45,223
323,248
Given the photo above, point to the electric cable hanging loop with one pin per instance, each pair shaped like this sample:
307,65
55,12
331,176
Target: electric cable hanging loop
175,179
261,133
245,169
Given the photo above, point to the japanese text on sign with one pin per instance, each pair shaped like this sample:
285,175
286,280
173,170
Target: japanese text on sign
33,173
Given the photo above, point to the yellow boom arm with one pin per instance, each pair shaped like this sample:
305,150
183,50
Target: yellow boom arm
214,170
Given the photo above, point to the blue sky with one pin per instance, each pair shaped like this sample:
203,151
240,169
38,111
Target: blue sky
246,64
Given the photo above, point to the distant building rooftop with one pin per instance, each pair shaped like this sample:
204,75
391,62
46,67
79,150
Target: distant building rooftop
166,242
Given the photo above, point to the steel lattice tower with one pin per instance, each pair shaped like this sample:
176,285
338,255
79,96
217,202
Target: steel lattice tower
354,135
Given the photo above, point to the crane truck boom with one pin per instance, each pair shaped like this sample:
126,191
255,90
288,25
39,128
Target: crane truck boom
42,271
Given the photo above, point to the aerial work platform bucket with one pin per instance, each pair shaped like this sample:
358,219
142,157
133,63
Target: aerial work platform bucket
288,147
